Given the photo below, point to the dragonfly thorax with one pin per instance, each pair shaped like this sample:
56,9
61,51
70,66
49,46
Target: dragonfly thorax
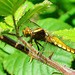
27,31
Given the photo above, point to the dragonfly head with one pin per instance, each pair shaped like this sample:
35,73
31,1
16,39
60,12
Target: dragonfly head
27,31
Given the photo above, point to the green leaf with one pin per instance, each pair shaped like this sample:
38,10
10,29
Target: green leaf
36,9
51,24
8,7
2,71
69,17
72,0
19,65
4,28
66,34
9,20
27,5
20,11
6,49
1,67
3,53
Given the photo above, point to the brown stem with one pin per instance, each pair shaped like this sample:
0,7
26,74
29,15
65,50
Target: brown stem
13,43
16,28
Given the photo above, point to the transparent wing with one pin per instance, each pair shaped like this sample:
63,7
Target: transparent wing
31,24
51,33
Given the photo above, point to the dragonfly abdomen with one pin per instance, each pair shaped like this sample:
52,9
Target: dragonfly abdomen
60,44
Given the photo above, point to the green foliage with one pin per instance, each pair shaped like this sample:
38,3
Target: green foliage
8,7
22,9
22,66
36,9
1,69
4,28
13,61
9,21
60,7
69,17
66,34
51,24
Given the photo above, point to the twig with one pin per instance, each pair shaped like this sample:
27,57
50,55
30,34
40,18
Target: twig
16,27
47,61
40,57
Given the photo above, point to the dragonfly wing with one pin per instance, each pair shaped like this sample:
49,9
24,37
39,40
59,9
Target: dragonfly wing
31,24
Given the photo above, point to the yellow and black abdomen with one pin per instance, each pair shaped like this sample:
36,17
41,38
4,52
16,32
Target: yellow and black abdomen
60,44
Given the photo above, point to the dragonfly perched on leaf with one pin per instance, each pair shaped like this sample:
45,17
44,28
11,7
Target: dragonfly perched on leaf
39,34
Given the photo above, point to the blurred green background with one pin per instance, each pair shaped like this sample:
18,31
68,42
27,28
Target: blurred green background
60,9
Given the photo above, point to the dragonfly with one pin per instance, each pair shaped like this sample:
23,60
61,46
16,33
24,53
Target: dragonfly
40,34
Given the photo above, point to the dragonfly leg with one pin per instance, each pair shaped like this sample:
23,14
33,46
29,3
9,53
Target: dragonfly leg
37,43
41,46
30,41
31,59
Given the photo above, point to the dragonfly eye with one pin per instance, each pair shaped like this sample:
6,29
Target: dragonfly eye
26,31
